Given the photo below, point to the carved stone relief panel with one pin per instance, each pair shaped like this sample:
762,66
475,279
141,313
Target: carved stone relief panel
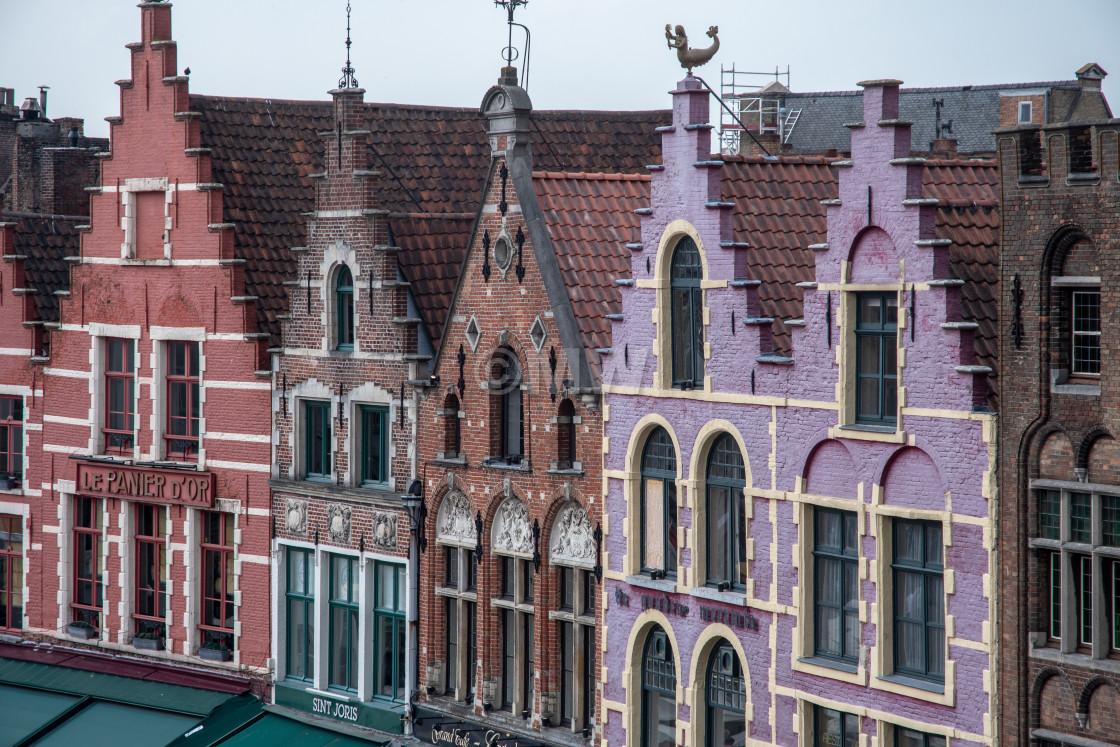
512,530
338,523
454,522
572,539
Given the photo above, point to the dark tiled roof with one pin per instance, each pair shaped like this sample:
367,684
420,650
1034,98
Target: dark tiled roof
780,215
45,240
590,220
433,160
973,111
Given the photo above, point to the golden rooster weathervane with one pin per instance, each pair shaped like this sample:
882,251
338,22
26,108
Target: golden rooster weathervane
689,57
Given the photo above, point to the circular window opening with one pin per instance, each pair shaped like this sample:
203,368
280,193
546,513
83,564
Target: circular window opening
503,252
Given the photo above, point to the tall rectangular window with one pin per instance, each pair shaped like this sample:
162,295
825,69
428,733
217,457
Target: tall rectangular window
391,630
11,572
1053,566
836,568
317,440
374,439
120,396
458,591
151,570
300,596
876,358
183,406
11,438
919,600
1086,328
87,600
343,615
217,581
834,728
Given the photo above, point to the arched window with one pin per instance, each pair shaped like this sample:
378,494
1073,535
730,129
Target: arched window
727,516
687,307
659,692
451,437
659,506
505,382
727,698
565,435
344,309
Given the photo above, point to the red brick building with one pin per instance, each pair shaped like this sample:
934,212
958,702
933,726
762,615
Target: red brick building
137,366
510,426
1060,531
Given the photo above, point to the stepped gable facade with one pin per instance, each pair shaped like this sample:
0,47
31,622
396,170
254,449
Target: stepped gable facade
143,500
1060,526
510,426
798,537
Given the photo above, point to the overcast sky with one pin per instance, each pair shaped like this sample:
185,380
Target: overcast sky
586,54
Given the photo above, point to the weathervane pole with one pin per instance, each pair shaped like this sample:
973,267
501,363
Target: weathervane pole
348,80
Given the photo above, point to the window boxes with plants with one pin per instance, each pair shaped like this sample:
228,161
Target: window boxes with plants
212,651
149,640
8,481
82,630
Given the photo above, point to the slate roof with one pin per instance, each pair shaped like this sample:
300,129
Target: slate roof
434,162
590,220
44,240
973,110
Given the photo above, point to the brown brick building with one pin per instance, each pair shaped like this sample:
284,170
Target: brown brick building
1059,534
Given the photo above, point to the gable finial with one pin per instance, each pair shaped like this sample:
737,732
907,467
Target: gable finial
509,54
348,80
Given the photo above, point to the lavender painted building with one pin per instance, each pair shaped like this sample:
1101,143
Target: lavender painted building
799,513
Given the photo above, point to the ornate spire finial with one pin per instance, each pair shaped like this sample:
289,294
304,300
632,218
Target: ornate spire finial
690,58
348,80
509,53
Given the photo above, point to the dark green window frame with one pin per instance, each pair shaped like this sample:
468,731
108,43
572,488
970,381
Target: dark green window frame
829,595
343,619
375,444
904,737
925,576
877,349
390,640
686,303
726,698
659,469
659,690
832,728
726,516
344,308
300,597
317,440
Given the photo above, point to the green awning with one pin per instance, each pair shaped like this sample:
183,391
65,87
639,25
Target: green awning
273,728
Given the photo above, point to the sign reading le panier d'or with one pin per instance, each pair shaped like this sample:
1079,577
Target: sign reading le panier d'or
142,484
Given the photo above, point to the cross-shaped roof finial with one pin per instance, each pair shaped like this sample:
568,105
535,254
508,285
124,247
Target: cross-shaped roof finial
348,80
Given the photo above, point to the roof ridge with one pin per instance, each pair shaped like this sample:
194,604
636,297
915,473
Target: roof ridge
589,175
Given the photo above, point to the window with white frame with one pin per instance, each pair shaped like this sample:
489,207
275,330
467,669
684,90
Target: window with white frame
11,440
1077,545
11,572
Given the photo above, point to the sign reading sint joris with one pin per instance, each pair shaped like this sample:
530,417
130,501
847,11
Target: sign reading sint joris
152,485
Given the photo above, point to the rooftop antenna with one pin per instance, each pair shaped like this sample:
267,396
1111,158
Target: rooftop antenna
509,54
348,80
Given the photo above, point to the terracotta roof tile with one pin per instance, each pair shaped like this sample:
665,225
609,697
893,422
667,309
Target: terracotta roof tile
433,160
590,220
45,240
